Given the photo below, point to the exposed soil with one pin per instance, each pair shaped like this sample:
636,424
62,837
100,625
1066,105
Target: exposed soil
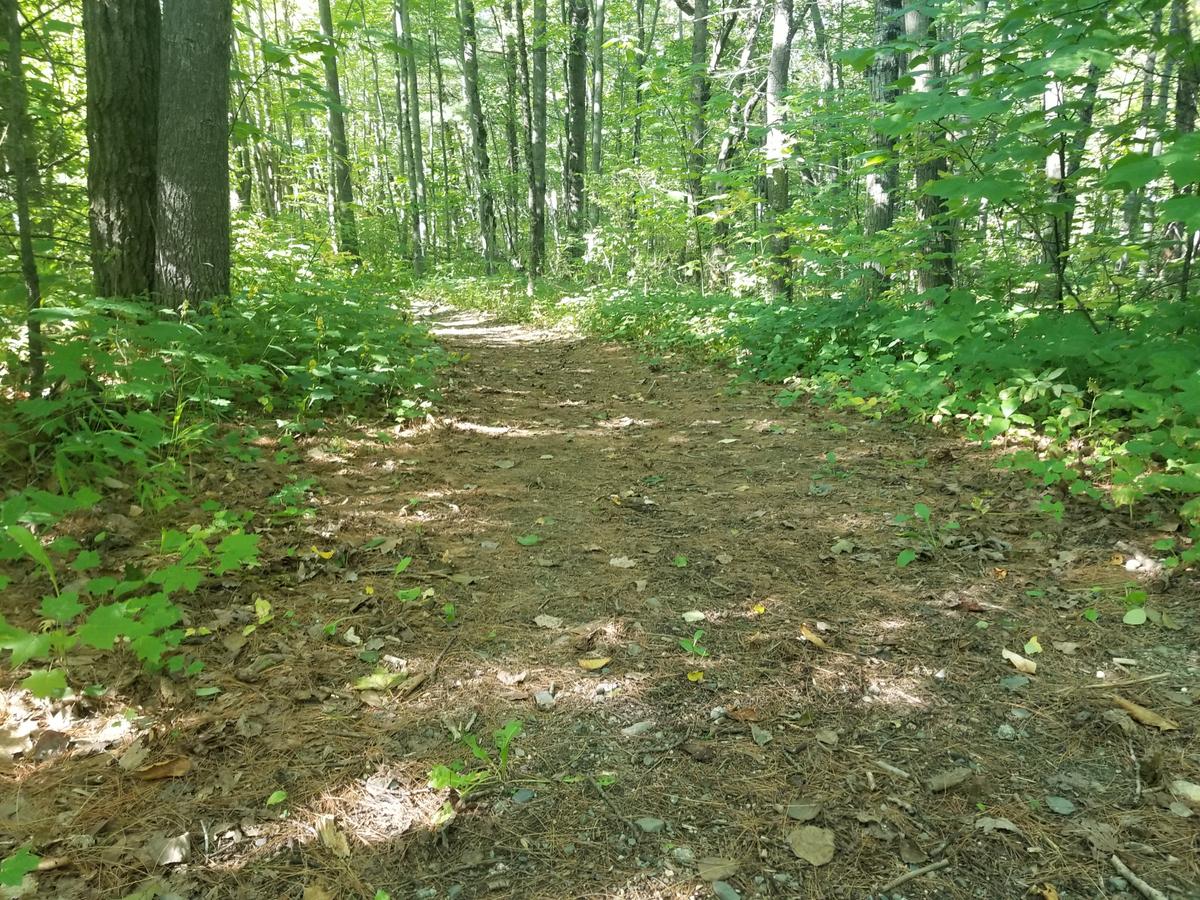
841,693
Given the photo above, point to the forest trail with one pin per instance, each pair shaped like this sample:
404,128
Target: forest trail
841,721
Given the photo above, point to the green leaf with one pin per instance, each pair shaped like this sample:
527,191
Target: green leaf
210,691
1135,616
15,867
104,625
680,561
528,540
276,798
921,511
88,559
1132,171
236,550
46,682
1183,208
62,608
905,558
32,547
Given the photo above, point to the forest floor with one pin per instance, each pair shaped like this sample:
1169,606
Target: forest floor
841,723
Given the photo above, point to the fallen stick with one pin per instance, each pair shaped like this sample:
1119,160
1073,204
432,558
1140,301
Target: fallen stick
1144,889
892,770
915,873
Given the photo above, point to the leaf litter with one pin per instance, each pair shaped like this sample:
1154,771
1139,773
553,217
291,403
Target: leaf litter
315,715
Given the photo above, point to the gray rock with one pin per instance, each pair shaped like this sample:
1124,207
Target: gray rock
544,700
1006,732
725,891
650,825
684,856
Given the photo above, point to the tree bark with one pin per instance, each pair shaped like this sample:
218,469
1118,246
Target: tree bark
577,116
192,215
339,146
22,167
121,45
407,73
777,153
936,269
478,129
537,173
699,120
597,148
883,176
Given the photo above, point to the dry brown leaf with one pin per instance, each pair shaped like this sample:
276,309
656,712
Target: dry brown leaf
1146,716
812,637
333,837
594,663
1020,663
175,767
744,714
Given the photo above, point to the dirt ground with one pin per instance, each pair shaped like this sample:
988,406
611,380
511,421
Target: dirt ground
575,515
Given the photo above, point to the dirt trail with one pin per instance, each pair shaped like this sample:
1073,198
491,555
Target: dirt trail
838,696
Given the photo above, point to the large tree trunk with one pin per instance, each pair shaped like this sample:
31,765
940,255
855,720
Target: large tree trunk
937,267
534,258
883,177
777,172
508,31
406,77
339,146
22,167
192,216
121,44
577,115
1182,239
479,151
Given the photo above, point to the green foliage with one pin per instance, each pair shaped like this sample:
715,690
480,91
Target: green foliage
456,777
692,645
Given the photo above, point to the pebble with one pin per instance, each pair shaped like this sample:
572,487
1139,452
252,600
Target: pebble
684,856
725,891
650,825
427,893
1006,732
454,891
544,700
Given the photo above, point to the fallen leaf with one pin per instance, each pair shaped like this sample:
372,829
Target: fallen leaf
1186,790
175,767
743,714
638,728
317,892
1060,805
1020,663
692,616
594,663
812,844
717,868
1146,716
545,621
912,853
135,754
332,837
622,562
1033,646
761,736
1135,616
1047,891
379,680
724,559
812,637
1066,647
695,676
803,811
987,825
504,463
161,850
943,781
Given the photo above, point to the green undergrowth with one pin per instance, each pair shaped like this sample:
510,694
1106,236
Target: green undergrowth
1114,416
133,394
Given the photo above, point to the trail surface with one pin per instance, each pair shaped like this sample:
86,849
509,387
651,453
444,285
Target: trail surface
784,711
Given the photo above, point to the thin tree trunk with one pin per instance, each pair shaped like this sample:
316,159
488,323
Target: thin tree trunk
509,32
478,131
937,266
406,78
537,173
577,116
699,121
1181,240
192,216
436,63
339,146
777,151
883,176
597,147
121,41
22,166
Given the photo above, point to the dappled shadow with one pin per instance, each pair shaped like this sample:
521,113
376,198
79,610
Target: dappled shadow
570,502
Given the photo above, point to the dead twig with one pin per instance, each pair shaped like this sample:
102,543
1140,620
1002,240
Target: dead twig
612,806
1144,889
915,873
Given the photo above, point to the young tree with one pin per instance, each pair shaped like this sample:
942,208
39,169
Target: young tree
597,154
699,120
406,85
478,130
121,47
883,176
777,172
537,132
22,167
339,146
192,213
576,114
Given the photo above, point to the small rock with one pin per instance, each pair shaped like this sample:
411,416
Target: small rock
650,825
426,893
725,891
1117,883
633,649
1019,713
638,728
454,891
544,699
1006,732
523,795
1060,805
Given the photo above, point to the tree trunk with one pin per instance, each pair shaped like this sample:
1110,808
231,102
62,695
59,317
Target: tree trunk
478,128
339,146
121,43
777,151
537,168
1182,239
597,89
22,167
883,176
512,217
577,116
699,122
192,216
937,266
407,74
